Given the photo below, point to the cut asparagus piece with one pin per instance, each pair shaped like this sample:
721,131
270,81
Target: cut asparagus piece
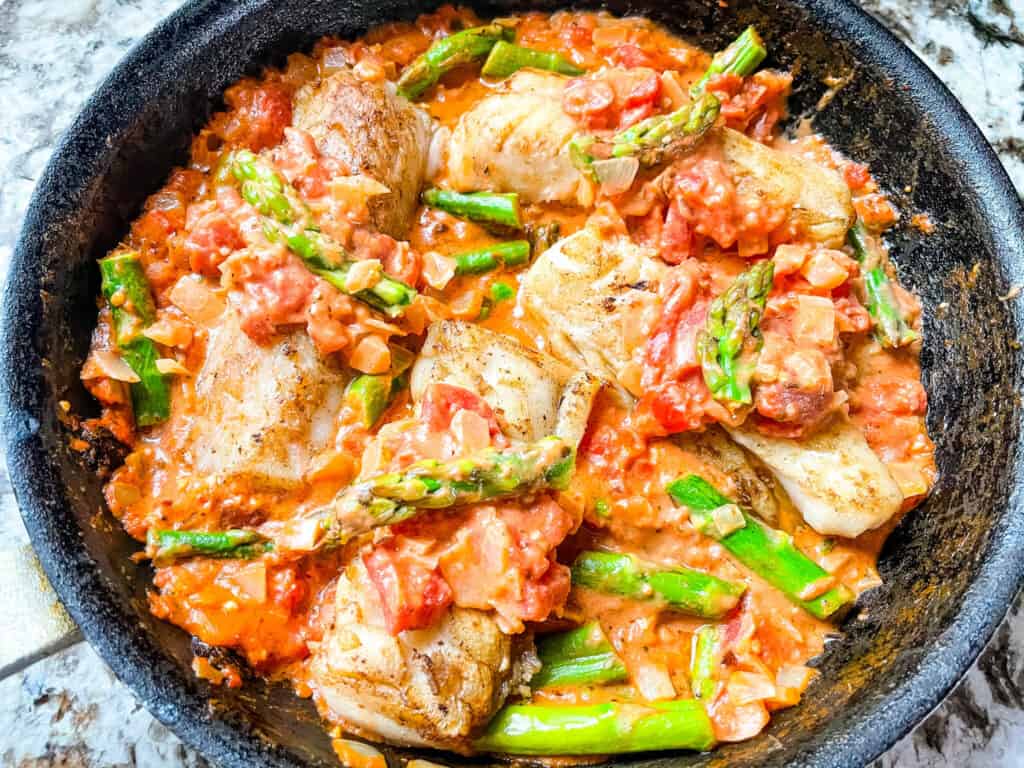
431,484
681,589
483,260
666,136
731,342
704,660
741,57
610,728
494,208
369,395
581,656
447,54
767,552
891,329
506,58
266,191
126,289
167,547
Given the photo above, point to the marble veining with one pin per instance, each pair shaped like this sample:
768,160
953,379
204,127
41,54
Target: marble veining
69,710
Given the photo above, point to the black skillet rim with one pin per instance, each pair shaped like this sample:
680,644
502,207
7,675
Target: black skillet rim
941,666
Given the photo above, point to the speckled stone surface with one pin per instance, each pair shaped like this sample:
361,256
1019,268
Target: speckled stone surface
70,711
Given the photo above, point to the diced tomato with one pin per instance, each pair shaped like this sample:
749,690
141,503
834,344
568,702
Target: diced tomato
212,236
260,114
632,55
585,97
645,92
856,175
677,240
443,401
679,406
754,104
412,596
286,589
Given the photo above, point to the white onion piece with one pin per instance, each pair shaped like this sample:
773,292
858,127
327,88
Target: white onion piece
438,270
104,363
170,367
617,174
251,581
197,300
749,687
727,518
654,682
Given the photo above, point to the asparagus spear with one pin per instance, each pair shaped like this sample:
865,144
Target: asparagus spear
447,54
166,547
506,58
891,328
731,341
595,729
274,198
477,262
666,136
124,286
651,141
430,484
484,207
682,589
581,656
704,660
769,553
741,57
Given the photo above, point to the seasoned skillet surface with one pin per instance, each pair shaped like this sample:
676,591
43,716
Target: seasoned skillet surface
957,551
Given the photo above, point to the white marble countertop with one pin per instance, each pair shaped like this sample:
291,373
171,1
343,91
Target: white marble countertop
69,710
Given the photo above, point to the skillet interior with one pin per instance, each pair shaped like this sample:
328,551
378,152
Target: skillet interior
951,567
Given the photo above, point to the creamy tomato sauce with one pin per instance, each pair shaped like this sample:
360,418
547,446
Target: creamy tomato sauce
214,271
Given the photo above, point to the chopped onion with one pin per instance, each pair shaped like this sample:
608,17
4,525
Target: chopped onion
727,518
356,754
654,682
363,275
817,588
336,58
171,332
170,367
673,89
471,430
792,676
438,270
104,363
748,687
197,300
616,175
815,320
251,580
371,355
301,534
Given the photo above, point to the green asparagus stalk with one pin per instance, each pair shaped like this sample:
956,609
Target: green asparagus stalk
492,208
506,58
511,254
167,547
396,496
891,328
431,484
284,216
681,589
767,552
598,729
581,656
126,289
652,141
704,660
729,345
666,136
741,57
447,54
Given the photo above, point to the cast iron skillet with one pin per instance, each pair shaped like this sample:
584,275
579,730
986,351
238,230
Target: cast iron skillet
950,569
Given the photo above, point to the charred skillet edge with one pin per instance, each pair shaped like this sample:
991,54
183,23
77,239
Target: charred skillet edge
867,728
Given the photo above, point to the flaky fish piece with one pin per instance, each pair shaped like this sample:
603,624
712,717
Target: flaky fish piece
817,197
263,413
434,687
532,395
371,131
585,290
517,140
835,480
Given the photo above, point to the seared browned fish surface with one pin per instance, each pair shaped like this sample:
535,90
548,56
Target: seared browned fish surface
433,687
263,413
371,130
517,140
583,290
533,395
